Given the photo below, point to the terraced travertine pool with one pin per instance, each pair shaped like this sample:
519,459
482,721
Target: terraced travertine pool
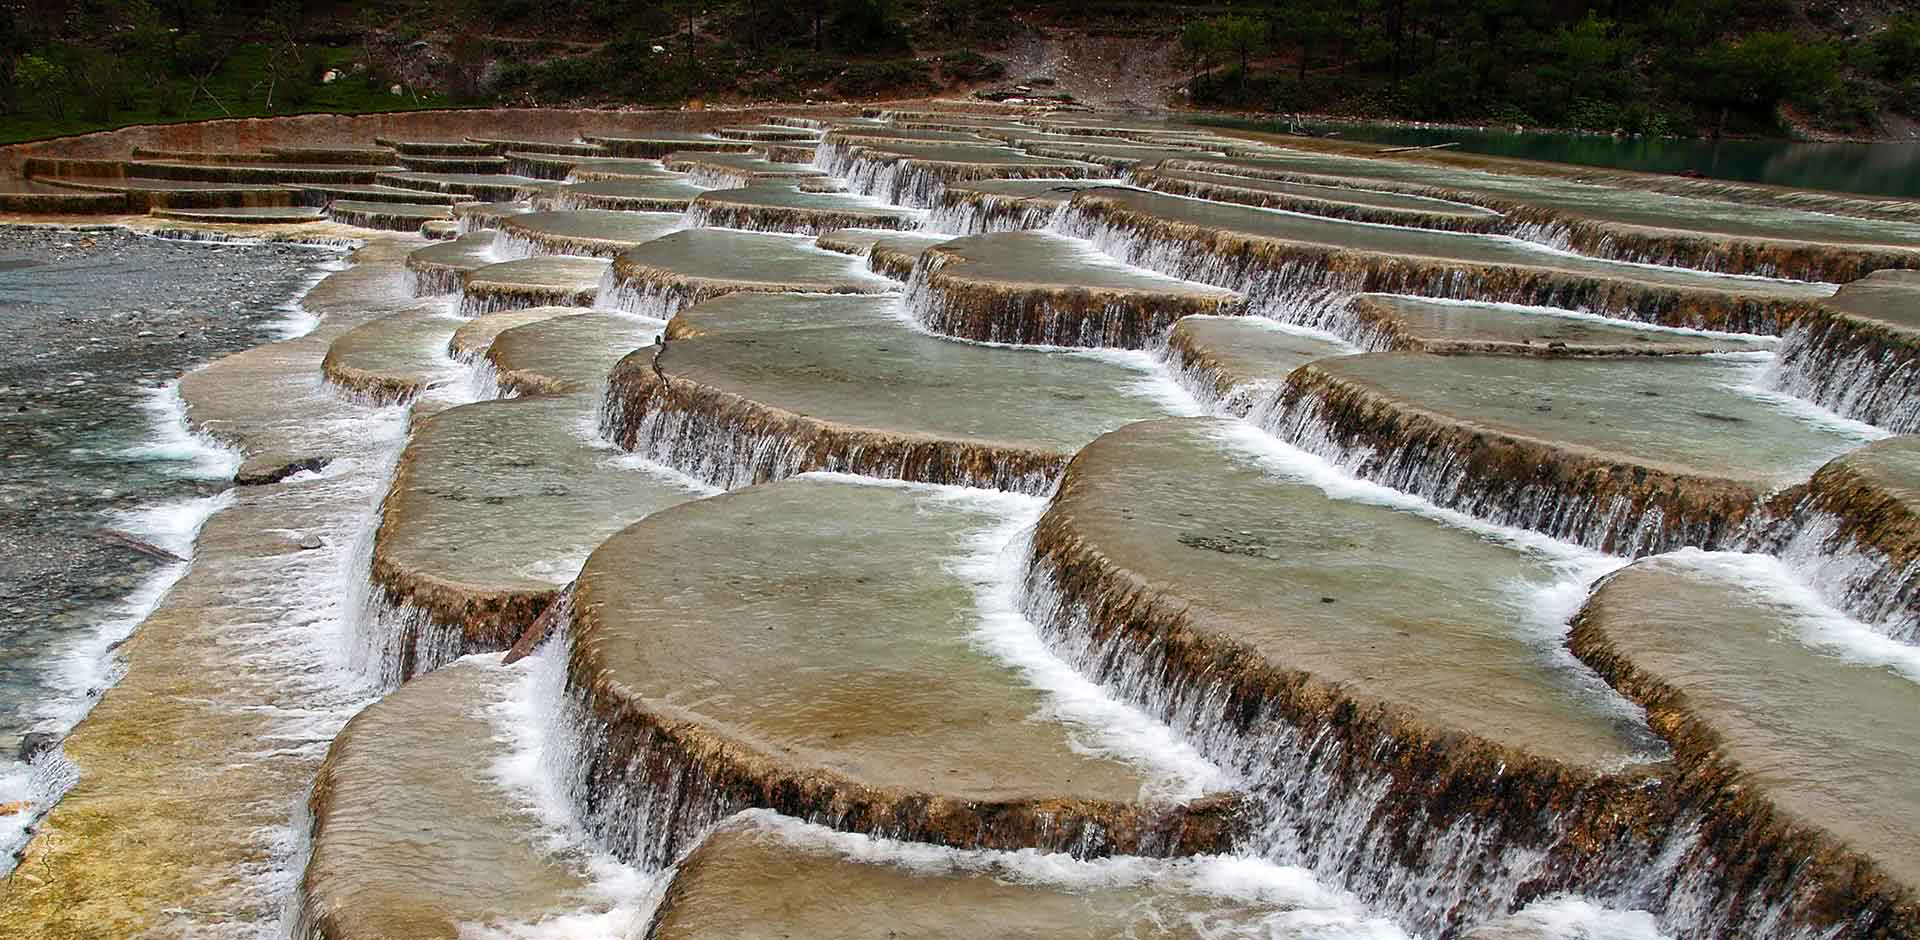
959,522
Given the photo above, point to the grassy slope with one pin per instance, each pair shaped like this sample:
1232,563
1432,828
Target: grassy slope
238,87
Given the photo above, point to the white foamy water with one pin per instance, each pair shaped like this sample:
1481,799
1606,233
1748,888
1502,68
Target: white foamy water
1292,902
1573,918
1817,623
1752,382
622,898
191,454
77,672
297,321
994,566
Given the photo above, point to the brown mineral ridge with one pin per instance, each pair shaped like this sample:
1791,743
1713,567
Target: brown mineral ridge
1235,358
978,288
1799,764
1231,256
660,748
1498,468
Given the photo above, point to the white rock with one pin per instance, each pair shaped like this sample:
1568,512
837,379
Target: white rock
659,49
333,75
395,91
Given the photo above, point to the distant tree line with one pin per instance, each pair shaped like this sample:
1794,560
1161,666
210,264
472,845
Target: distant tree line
1673,66
1669,66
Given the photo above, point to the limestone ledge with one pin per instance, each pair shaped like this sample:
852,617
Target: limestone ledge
1728,254
973,212
947,300
1432,802
1376,327
655,778
1330,207
1860,354
654,291
1573,493
730,441
1764,856
714,213
1858,509
1268,269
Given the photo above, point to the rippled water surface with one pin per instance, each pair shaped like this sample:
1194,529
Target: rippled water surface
94,328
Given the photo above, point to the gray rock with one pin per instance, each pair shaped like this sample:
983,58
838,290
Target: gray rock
35,743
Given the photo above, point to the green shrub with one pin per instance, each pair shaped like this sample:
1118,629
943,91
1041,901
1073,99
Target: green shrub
45,82
869,79
866,27
569,78
1896,50
970,66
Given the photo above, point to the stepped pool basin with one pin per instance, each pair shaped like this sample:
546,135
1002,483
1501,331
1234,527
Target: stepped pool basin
956,518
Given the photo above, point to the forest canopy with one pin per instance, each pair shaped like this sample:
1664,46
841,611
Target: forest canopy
1673,67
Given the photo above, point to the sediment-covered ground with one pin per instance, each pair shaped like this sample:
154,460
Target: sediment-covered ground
952,520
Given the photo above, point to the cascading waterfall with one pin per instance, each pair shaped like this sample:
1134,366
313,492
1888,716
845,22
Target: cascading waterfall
657,297
1855,577
1298,291
1599,517
725,441
960,212
1850,368
1341,814
1331,800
